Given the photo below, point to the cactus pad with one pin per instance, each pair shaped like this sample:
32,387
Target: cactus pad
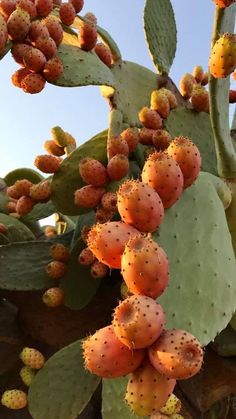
62,388
23,173
160,31
39,212
196,126
197,241
17,231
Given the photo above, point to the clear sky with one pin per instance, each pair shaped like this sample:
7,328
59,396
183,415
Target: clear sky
26,120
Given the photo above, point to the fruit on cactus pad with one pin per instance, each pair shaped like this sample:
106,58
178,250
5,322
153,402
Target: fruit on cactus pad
88,196
86,257
52,148
53,297
104,53
46,45
118,167
67,13
186,85
56,269
117,145
18,25
149,118
93,172
7,7
3,33
47,163
131,136
53,27
224,3
27,375
60,252
53,69
109,201
3,229
105,356
223,56
32,358
161,139
87,36
99,270
172,406
78,5
24,205
44,7
18,76
200,99
160,103
14,399
33,83
198,73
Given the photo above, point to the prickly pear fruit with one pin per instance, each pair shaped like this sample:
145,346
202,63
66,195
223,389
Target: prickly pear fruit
60,252
99,270
54,149
138,321
59,136
41,192
232,96
37,29
87,36
11,207
93,172
109,201
118,167
131,136
223,3
104,53
3,229
86,257
223,56
186,85
56,269
147,390
7,7
78,5
107,241
34,60
27,375
161,139
160,103
106,356
145,267
149,118
67,13
3,33
44,7
53,69
18,51
176,354
18,76
28,6
200,99
32,358
24,205
146,136
140,206
33,83
204,81
14,399
22,187
91,18
102,215
117,145
198,73
171,97
53,297
18,25
88,196
47,164
173,405
163,174
188,157
46,45
54,29
50,231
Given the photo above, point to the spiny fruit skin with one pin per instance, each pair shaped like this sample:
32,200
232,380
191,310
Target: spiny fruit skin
223,3
117,145
3,33
107,241
88,196
176,354
98,270
53,297
56,269
33,83
12,192
18,24
3,229
54,149
22,187
37,29
106,356
140,206
188,157
86,257
53,69
11,207
109,201
138,321
46,45
171,97
173,405
146,136
7,7
18,51
131,136
54,29
78,5
67,13
28,6
32,358
41,192
34,59
161,139
24,205
102,215
93,172
118,167
198,73
145,267
44,7
47,163
60,252
160,103
87,36
186,85
18,76
200,99
104,53
162,173
27,375
147,390
223,56
14,399
149,118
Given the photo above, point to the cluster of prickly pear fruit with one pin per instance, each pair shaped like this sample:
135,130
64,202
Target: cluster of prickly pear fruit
192,87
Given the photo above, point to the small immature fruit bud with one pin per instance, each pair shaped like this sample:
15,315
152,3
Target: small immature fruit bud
160,103
33,83
53,297
27,375
67,13
150,118
24,205
32,358
186,85
86,257
117,145
53,148
131,136
47,164
14,399
87,36
198,73
88,196
104,53
56,269
118,167
99,270
60,252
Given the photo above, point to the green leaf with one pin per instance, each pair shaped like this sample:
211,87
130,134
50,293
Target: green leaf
68,179
23,173
62,388
17,231
160,31
196,238
23,266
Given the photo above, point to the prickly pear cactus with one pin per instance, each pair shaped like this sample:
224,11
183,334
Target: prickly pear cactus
62,280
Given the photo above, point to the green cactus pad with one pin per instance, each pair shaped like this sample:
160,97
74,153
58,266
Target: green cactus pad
134,85
197,241
67,179
17,231
39,212
6,49
196,126
82,68
87,220
62,388
222,189
78,284
23,266
23,173
113,403
3,239
160,31
3,202
231,215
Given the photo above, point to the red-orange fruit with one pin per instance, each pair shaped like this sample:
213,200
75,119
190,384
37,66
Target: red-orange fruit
150,118
107,241
33,83
53,69
223,3
118,167
67,13
18,25
186,85
103,215
60,252
163,174
161,139
34,60
18,51
11,207
99,270
93,172
44,7
198,73
140,206
176,354
37,29
88,196
117,145
46,45
56,269
146,135
18,76
24,205
52,148
28,6
109,201
91,18
105,356
41,192
78,5
188,157
204,81
47,163
3,229
138,321
7,7
86,257
200,99
223,56
54,29
145,267
22,187
53,297
131,136
104,53
232,96
160,103
87,36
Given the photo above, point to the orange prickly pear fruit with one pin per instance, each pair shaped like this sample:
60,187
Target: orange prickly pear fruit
33,83
161,139
37,29
160,103
200,99
223,56
117,145
86,257
91,18
32,358
3,229
172,406
186,85
18,51
223,3
3,33
67,13
14,399
131,136
56,269
146,136
46,45
198,73
204,81
60,252
18,76
78,5
27,375
53,69
18,25
109,201
34,60
53,28
47,164
44,7
7,7
118,167
104,53
150,118
54,149
22,187
87,36
88,196
28,6
103,215
53,297
93,172
99,270
24,205
171,97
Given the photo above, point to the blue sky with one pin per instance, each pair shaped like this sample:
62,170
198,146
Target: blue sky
26,120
